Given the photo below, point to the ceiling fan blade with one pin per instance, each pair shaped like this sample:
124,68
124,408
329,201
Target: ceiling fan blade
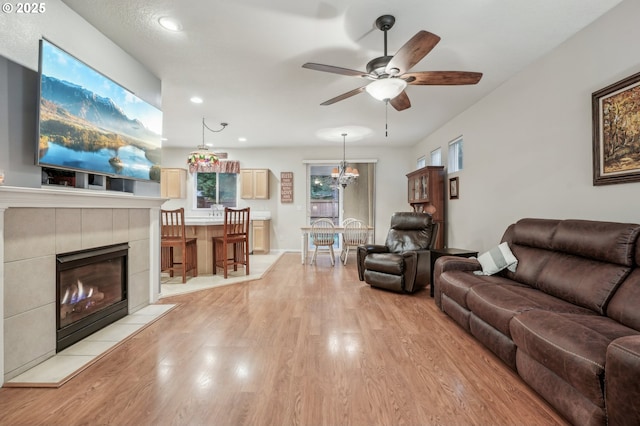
344,96
445,78
401,101
412,52
335,70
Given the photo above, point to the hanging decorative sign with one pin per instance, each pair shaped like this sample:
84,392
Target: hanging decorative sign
286,187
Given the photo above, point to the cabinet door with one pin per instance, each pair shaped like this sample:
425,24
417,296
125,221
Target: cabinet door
246,184
254,184
173,183
261,241
261,184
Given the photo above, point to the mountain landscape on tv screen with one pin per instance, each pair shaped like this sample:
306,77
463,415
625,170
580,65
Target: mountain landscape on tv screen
78,119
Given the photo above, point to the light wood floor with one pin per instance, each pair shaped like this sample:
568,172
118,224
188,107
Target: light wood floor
308,345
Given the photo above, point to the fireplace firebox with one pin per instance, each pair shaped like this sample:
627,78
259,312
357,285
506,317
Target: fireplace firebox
91,291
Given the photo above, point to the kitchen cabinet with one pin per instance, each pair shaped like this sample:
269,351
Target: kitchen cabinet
173,183
426,194
261,230
254,184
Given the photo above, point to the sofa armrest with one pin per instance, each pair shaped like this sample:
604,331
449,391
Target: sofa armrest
622,381
365,250
451,263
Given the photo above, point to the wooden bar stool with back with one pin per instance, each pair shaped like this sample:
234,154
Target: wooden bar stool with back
173,236
236,235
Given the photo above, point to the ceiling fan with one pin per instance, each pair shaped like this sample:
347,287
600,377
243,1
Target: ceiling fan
390,74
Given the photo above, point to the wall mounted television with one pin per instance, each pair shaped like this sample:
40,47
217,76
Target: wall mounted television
89,123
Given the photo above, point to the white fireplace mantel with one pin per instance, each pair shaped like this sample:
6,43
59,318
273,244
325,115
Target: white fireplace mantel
18,197
45,197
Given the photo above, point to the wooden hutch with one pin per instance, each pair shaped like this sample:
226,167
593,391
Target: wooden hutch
426,194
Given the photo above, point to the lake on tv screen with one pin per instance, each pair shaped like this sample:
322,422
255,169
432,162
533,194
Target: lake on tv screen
132,161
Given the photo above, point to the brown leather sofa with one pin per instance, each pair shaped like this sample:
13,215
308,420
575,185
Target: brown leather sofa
567,320
403,264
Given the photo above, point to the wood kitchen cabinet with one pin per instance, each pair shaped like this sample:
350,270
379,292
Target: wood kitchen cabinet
426,194
261,231
254,184
173,183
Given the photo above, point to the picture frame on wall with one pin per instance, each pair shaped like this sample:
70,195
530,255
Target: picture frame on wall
616,132
454,188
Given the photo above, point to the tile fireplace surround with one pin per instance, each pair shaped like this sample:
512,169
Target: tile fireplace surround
35,225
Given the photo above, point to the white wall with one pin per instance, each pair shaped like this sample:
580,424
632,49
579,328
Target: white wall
391,185
20,35
528,145
19,53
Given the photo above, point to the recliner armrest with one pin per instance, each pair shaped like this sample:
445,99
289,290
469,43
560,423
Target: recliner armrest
417,269
622,389
365,250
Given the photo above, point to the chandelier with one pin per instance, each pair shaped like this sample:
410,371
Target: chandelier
343,174
202,159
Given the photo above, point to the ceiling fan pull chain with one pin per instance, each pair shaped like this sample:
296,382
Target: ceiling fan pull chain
386,118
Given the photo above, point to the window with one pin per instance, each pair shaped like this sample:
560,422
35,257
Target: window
455,155
436,157
422,161
215,188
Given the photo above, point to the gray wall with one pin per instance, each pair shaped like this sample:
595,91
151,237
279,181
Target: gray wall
528,144
18,103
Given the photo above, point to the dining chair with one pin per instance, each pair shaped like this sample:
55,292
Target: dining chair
355,233
235,234
323,235
173,236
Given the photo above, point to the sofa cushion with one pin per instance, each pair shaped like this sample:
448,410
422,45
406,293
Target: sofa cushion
498,304
573,346
456,284
624,306
532,232
531,260
584,282
610,242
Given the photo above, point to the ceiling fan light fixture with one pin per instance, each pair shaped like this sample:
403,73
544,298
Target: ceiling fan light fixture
386,88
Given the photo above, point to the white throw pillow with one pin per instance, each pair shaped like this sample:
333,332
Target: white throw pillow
497,259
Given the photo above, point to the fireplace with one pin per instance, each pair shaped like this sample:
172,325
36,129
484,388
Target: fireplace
91,291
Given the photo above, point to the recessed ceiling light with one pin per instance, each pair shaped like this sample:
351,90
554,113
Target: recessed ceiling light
196,100
242,139
170,24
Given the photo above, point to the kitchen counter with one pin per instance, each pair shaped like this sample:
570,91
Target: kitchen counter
219,220
203,228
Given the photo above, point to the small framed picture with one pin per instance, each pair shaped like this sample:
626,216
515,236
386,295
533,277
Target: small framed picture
454,188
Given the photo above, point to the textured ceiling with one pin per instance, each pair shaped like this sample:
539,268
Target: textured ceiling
244,58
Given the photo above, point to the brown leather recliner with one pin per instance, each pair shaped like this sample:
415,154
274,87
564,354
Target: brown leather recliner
403,263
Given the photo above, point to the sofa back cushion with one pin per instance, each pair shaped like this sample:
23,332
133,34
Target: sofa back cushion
605,241
624,306
583,282
530,243
582,262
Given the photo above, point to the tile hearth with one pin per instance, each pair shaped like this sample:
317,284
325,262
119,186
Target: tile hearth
66,364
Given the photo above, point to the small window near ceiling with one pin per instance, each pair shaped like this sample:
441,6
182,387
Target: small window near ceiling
436,157
215,188
455,155
422,161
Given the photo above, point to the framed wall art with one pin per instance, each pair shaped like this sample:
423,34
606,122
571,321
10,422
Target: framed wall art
454,188
616,132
